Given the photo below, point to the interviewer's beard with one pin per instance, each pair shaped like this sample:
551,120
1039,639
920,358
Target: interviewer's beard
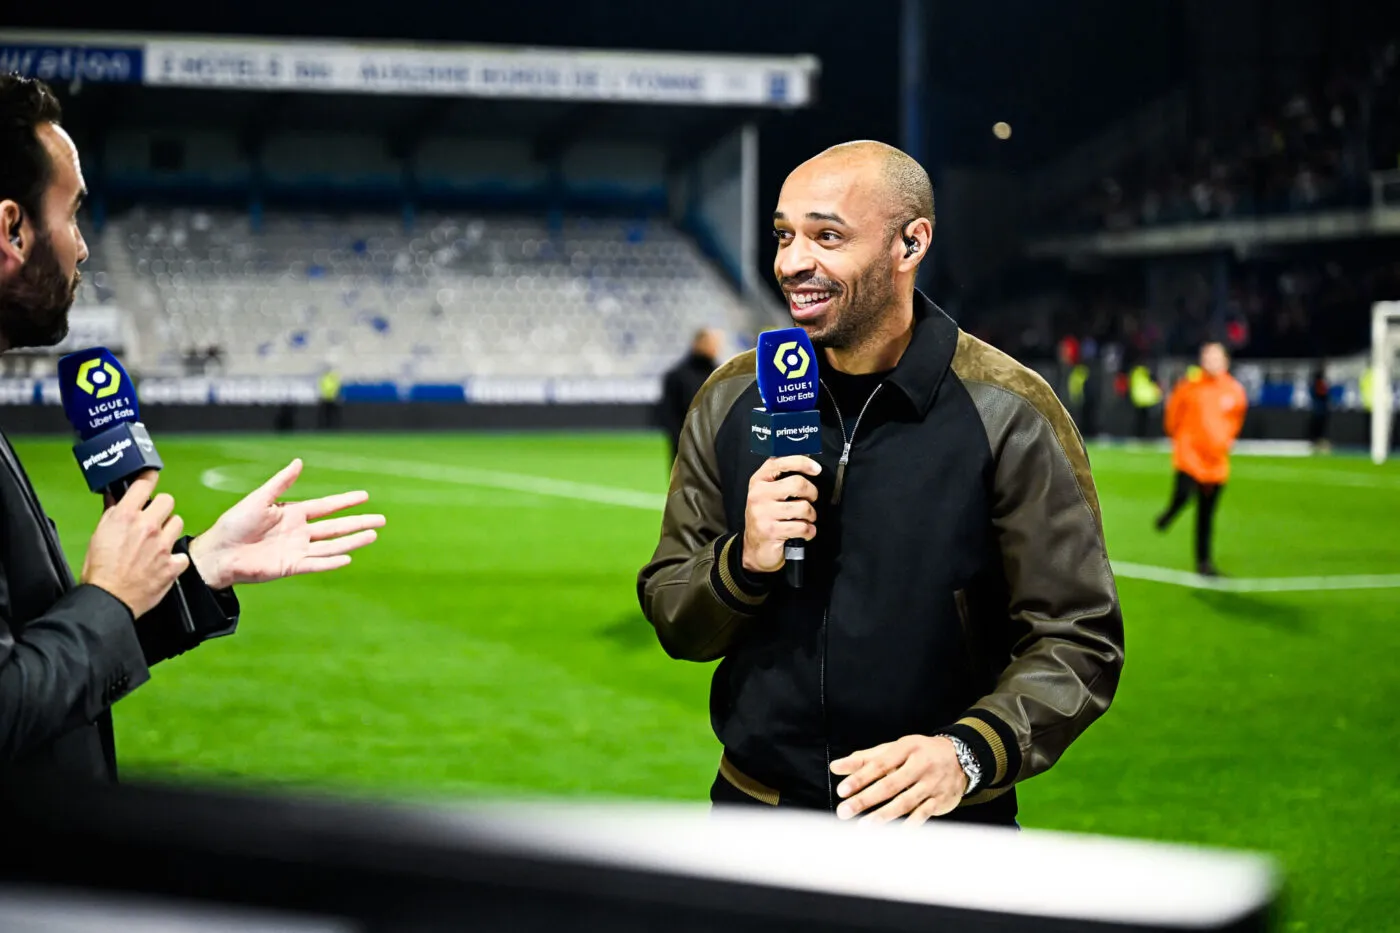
35,301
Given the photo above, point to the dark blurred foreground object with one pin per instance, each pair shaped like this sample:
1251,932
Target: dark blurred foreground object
131,857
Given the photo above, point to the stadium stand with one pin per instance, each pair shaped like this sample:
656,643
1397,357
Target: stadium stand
96,285
1298,305
1313,151
463,214
460,295
1254,204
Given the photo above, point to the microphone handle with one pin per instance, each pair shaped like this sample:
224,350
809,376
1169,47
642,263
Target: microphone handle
182,605
794,559
794,555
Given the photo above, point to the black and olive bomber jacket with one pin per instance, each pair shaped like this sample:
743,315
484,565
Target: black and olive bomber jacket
958,582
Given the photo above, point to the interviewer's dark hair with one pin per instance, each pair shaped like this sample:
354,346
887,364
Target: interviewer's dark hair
25,168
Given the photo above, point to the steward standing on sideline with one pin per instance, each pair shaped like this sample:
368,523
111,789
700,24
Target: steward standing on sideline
681,383
1204,416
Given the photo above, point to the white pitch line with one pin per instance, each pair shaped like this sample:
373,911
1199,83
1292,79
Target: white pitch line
218,479
1250,471
1243,448
1255,584
494,479
631,498
223,479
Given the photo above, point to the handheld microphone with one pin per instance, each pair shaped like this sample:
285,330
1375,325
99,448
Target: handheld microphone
99,399
788,423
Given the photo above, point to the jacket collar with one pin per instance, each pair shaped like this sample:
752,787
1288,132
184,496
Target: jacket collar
926,360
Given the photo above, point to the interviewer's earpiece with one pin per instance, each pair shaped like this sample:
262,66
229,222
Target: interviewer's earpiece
14,231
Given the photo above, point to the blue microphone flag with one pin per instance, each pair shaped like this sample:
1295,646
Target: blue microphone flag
789,422
96,391
787,370
100,402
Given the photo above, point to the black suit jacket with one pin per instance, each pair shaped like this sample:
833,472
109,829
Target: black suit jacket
68,652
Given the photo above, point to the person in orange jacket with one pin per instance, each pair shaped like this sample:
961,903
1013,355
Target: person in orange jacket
1204,415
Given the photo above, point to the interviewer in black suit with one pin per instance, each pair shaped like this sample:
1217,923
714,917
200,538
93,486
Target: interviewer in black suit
69,650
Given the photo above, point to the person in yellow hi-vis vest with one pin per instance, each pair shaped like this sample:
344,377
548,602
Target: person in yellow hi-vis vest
1370,393
330,399
1145,394
1078,376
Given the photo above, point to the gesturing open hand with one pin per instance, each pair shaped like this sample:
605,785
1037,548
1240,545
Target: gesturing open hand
261,539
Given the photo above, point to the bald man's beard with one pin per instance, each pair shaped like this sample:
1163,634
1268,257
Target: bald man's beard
35,301
856,313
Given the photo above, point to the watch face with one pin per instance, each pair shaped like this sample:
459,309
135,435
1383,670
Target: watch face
968,761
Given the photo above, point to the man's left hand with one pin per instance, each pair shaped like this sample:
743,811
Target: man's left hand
261,539
919,775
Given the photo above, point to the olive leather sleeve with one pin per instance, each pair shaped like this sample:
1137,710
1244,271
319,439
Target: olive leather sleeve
1066,623
693,591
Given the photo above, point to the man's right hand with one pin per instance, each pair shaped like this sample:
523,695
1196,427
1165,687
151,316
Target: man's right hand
778,510
130,555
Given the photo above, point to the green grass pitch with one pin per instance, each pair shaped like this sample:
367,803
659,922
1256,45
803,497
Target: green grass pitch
491,644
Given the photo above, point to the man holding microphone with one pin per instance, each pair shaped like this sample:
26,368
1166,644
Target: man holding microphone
959,625
70,650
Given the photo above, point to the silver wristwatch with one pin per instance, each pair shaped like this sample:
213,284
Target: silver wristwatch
968,761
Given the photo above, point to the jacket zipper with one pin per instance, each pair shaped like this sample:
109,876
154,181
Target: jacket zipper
846,442
826,724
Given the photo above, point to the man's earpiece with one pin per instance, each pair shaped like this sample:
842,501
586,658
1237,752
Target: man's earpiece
14,231
911,244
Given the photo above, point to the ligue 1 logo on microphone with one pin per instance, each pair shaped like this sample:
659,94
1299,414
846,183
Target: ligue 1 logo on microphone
99,378
791,360
99,398
789,422
97,392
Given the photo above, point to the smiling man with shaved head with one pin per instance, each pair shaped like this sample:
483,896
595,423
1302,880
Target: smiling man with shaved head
875,199
960,626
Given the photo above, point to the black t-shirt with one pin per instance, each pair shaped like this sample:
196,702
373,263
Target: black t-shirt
851,392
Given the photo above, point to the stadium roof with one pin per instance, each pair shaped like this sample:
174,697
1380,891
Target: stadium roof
387,68
406,91
552,124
